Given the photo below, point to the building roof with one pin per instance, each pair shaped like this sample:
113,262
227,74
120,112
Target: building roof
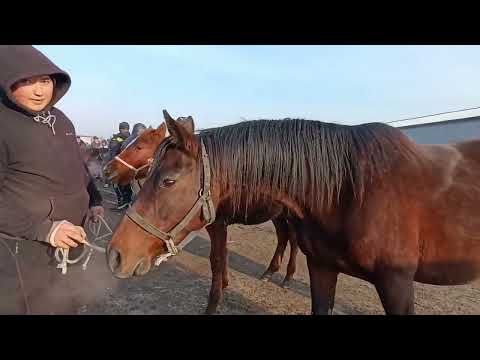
436,118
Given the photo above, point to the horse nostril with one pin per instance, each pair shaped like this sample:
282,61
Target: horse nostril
114,260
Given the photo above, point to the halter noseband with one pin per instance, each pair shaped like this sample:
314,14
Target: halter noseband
203,202
135,170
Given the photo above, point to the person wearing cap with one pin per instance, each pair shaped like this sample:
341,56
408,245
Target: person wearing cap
123,192
138,130
117,139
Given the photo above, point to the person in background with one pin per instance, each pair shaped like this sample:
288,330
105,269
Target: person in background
117,140
96,144
123,192
138,130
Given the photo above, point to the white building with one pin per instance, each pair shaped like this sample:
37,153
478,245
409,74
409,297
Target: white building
442,128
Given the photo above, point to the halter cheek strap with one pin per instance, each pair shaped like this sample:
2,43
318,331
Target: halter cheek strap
204,202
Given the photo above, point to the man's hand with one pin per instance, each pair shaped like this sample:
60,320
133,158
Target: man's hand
67,235
95,212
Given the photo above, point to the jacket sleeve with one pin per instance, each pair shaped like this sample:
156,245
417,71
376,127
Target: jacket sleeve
14,224
126,142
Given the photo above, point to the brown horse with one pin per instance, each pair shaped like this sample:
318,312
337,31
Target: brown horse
134,161
133,164
364,200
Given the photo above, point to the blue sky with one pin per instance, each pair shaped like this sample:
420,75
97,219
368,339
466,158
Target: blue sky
220,85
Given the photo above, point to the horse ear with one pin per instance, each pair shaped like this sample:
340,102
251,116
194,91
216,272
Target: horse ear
158,134
187,123
182,134
175,130
167,116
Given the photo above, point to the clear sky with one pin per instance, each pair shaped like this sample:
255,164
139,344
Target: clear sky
220,85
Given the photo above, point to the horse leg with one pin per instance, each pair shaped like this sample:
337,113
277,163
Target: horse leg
292,262
218,261
396,292
225,268
282,235
323,283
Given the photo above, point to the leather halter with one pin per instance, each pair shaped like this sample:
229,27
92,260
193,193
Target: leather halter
204,202
135,170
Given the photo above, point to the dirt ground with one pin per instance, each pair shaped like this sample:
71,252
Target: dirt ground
181,285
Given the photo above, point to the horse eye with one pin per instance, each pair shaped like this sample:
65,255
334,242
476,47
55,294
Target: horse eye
168,182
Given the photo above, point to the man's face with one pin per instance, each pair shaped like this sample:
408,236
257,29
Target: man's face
124,132
33,93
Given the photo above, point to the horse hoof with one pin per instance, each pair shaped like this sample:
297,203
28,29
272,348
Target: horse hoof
267,276
286,284
211,310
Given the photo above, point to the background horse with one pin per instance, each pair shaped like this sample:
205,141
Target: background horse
365,200
134,165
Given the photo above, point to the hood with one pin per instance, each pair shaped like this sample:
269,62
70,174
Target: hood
136,128
134,135
19,62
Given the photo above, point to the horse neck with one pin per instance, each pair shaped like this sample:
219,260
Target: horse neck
270,202
273,205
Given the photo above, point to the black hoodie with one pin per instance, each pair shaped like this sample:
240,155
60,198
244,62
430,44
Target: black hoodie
135,130
42,175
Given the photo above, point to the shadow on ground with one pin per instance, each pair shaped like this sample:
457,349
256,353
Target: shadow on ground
200,246
169,290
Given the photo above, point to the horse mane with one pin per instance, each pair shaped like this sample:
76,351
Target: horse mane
312,161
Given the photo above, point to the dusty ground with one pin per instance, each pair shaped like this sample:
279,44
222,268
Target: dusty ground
181,285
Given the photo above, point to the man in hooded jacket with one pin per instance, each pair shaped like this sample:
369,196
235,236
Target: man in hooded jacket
45,189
